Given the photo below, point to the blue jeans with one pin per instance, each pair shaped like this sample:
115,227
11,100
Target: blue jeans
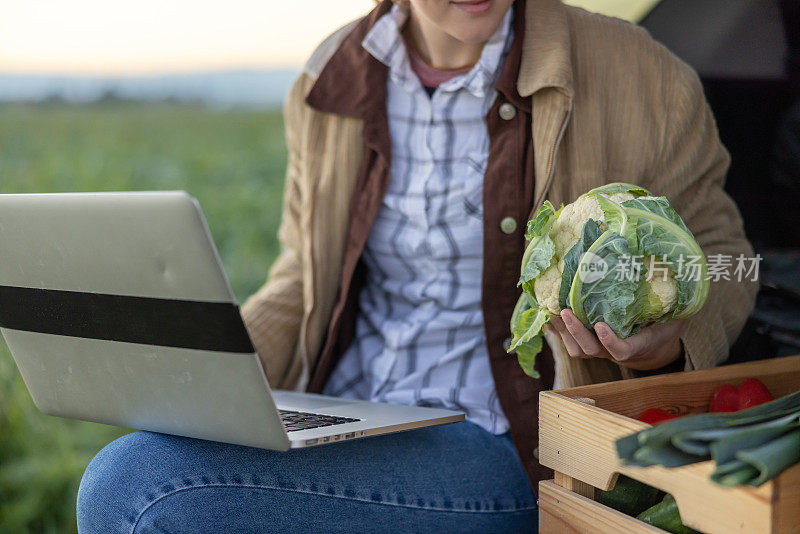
451,478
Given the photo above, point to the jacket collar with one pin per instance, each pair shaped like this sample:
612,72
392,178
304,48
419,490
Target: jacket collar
353,82
546,50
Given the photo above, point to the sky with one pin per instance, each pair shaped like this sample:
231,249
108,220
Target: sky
124,37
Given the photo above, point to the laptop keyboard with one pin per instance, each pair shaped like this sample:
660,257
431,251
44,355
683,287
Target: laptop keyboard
294,421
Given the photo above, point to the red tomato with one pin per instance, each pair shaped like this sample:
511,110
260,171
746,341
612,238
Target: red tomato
725,399
751,392
656,415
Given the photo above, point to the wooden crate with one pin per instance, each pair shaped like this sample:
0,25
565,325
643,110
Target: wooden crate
579,426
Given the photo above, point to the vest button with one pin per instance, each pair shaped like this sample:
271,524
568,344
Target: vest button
507,111
508,225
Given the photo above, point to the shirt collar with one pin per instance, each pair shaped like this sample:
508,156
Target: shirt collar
363,95
385,43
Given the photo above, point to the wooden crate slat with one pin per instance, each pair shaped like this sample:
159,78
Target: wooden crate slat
688,392
786,509
564,512
574,485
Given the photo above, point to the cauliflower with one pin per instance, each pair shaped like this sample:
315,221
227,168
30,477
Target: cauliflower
598,236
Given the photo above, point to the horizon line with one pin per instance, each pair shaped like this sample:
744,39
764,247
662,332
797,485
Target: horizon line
147,73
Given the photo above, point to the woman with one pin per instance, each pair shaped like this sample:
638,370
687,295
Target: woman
421,138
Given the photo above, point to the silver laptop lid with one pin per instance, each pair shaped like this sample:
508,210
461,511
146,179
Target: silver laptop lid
117,310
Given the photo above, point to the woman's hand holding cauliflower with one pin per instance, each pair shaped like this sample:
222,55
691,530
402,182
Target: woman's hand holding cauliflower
653,347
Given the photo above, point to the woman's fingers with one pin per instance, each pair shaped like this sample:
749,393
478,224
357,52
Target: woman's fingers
571,345
585,339
654,347
620,349
580,342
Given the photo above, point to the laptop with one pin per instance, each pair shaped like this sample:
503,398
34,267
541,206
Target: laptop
117,310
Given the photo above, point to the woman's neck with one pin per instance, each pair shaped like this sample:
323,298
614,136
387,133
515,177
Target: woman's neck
436,47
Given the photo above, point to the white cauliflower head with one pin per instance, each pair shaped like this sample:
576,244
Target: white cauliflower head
662,283
547,285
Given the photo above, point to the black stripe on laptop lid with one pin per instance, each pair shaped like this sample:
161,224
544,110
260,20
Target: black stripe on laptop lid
212,326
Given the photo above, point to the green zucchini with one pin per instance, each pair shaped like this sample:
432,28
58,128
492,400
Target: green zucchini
629,496
664,515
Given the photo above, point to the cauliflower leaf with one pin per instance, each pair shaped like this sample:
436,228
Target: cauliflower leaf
528,326
591,232
541,249
596,293
620,187
662,233
526,355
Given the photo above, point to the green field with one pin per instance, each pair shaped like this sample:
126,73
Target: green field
231,161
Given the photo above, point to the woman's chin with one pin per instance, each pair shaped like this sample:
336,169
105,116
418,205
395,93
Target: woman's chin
474,27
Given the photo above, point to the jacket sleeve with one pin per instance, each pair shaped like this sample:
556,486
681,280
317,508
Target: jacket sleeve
274,313
691,173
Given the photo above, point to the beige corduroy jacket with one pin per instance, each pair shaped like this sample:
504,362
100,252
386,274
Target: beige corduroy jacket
608,104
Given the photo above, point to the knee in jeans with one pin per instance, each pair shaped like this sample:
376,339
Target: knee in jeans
105,493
